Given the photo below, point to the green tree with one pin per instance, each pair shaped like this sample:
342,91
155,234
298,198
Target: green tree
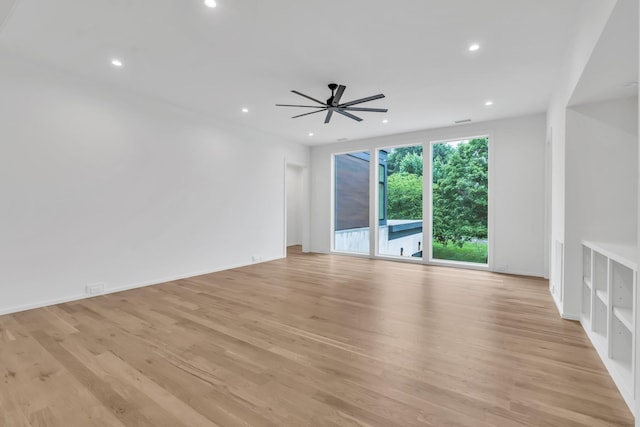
441,153
395,157
460,194
411,163
404,196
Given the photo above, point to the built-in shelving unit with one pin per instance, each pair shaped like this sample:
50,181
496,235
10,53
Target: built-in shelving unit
609,286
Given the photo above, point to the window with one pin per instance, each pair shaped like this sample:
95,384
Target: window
351,197
459,194
451,225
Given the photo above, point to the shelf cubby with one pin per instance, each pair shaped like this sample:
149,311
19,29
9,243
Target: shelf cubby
625,316
586,301
622,278
600,272
621,345
600,318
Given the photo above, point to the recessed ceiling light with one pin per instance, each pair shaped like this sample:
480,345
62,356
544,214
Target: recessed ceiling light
310,133
210,3
488,103
245,110
116,63
385,121
474,47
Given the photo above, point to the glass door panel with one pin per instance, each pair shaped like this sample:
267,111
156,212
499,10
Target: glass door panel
351,196
400,202
459,186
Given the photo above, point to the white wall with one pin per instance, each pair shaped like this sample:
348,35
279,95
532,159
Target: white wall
602,170
591,21
295,205
101,186
517,165
601,184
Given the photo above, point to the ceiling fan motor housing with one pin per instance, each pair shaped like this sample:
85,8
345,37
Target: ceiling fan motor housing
332,87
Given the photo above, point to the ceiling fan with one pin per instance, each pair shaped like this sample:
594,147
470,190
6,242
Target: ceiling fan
333,104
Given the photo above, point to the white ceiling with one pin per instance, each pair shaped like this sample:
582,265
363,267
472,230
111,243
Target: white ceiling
612,70
253,52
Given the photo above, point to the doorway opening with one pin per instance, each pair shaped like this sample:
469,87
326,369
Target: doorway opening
295,207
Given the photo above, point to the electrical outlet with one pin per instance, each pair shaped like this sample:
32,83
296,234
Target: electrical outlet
256,258
95,289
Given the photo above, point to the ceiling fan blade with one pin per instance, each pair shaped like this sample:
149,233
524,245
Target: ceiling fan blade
338,95
329,114
303,106
351,116
308,97
372,110
360,101
306,114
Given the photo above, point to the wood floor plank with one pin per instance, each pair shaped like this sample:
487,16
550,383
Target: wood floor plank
310,340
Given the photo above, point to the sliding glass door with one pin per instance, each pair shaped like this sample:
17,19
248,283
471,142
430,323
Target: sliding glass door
400,202
459,195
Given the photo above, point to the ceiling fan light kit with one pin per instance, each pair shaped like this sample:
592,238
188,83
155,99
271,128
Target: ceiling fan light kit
333,104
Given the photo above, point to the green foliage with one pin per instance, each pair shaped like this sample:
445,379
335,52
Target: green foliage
460,183
469,252
411,163
404,196
441,153
397,154
460,194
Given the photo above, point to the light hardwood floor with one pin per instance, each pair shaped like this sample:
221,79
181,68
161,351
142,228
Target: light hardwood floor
312,340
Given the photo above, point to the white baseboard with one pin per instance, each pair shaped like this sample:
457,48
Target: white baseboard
46,303
524,273
566,316
570,317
